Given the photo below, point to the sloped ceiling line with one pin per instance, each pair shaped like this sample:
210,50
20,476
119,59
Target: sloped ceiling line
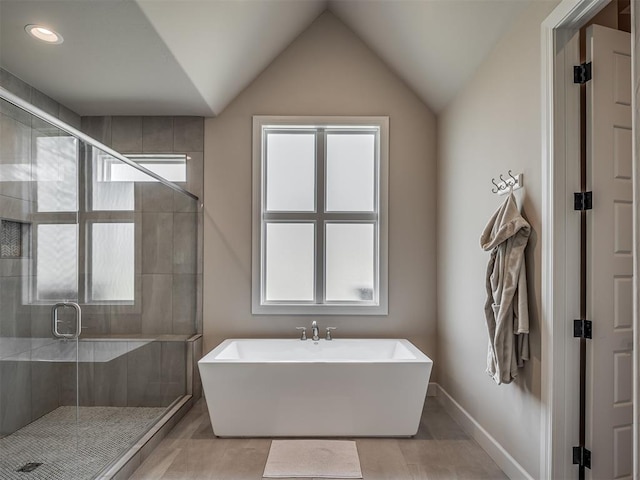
193,57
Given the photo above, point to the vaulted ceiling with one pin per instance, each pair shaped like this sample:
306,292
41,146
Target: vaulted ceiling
193,57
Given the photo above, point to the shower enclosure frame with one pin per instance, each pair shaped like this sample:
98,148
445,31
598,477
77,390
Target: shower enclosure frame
42,115
123,466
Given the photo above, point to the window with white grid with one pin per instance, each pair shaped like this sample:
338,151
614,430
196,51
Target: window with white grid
320,215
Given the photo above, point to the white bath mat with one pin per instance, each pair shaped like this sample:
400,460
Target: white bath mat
313,459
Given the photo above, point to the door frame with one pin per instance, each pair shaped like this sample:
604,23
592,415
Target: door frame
560,231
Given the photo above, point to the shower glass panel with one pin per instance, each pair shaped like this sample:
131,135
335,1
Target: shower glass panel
39,173
75,228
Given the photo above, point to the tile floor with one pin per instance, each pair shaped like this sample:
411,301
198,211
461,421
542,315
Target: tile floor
441,450
68,450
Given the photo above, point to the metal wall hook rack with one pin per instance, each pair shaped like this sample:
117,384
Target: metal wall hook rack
505,185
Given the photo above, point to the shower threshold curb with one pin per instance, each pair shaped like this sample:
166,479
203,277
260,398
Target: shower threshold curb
124,467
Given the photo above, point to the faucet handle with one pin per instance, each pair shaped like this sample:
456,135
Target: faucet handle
304,332
328,337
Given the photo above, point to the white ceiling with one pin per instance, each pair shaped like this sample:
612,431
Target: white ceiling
224,45
434,46
193,57
111,61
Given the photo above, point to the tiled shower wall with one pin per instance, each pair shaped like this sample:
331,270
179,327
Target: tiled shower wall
31,387
36,98
125,373
170,285
171,280
28,389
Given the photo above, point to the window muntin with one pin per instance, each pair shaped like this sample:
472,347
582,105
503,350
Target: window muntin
88,255
345,203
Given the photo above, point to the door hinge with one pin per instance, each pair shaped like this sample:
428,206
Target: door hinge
582,457
583,201
582,73
583,329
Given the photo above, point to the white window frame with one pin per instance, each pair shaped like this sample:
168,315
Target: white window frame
146,160
379,306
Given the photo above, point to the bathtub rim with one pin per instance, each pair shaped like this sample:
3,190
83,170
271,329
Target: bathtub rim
210,357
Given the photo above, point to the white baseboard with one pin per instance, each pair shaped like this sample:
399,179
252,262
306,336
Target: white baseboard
497,452
432,390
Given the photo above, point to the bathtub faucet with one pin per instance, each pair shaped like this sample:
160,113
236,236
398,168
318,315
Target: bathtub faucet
314,331
328,336
303,336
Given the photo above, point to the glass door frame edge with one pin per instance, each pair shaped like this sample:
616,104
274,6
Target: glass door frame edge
42,115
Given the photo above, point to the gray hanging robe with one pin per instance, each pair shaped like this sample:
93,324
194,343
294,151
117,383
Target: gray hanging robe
506,309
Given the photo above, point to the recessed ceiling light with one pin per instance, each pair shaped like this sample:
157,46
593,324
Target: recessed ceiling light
43,33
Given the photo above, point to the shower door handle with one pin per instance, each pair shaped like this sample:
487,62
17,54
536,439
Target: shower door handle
55,321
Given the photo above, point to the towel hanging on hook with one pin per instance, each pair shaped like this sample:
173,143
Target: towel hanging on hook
506,308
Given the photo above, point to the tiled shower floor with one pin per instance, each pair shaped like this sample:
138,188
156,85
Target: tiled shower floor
73,452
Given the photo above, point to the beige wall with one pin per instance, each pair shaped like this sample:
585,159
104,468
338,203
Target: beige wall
493,125
325,71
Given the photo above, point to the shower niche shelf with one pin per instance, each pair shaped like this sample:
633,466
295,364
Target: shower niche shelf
14,239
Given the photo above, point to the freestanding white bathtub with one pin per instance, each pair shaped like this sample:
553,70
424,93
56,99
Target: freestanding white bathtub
343,387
